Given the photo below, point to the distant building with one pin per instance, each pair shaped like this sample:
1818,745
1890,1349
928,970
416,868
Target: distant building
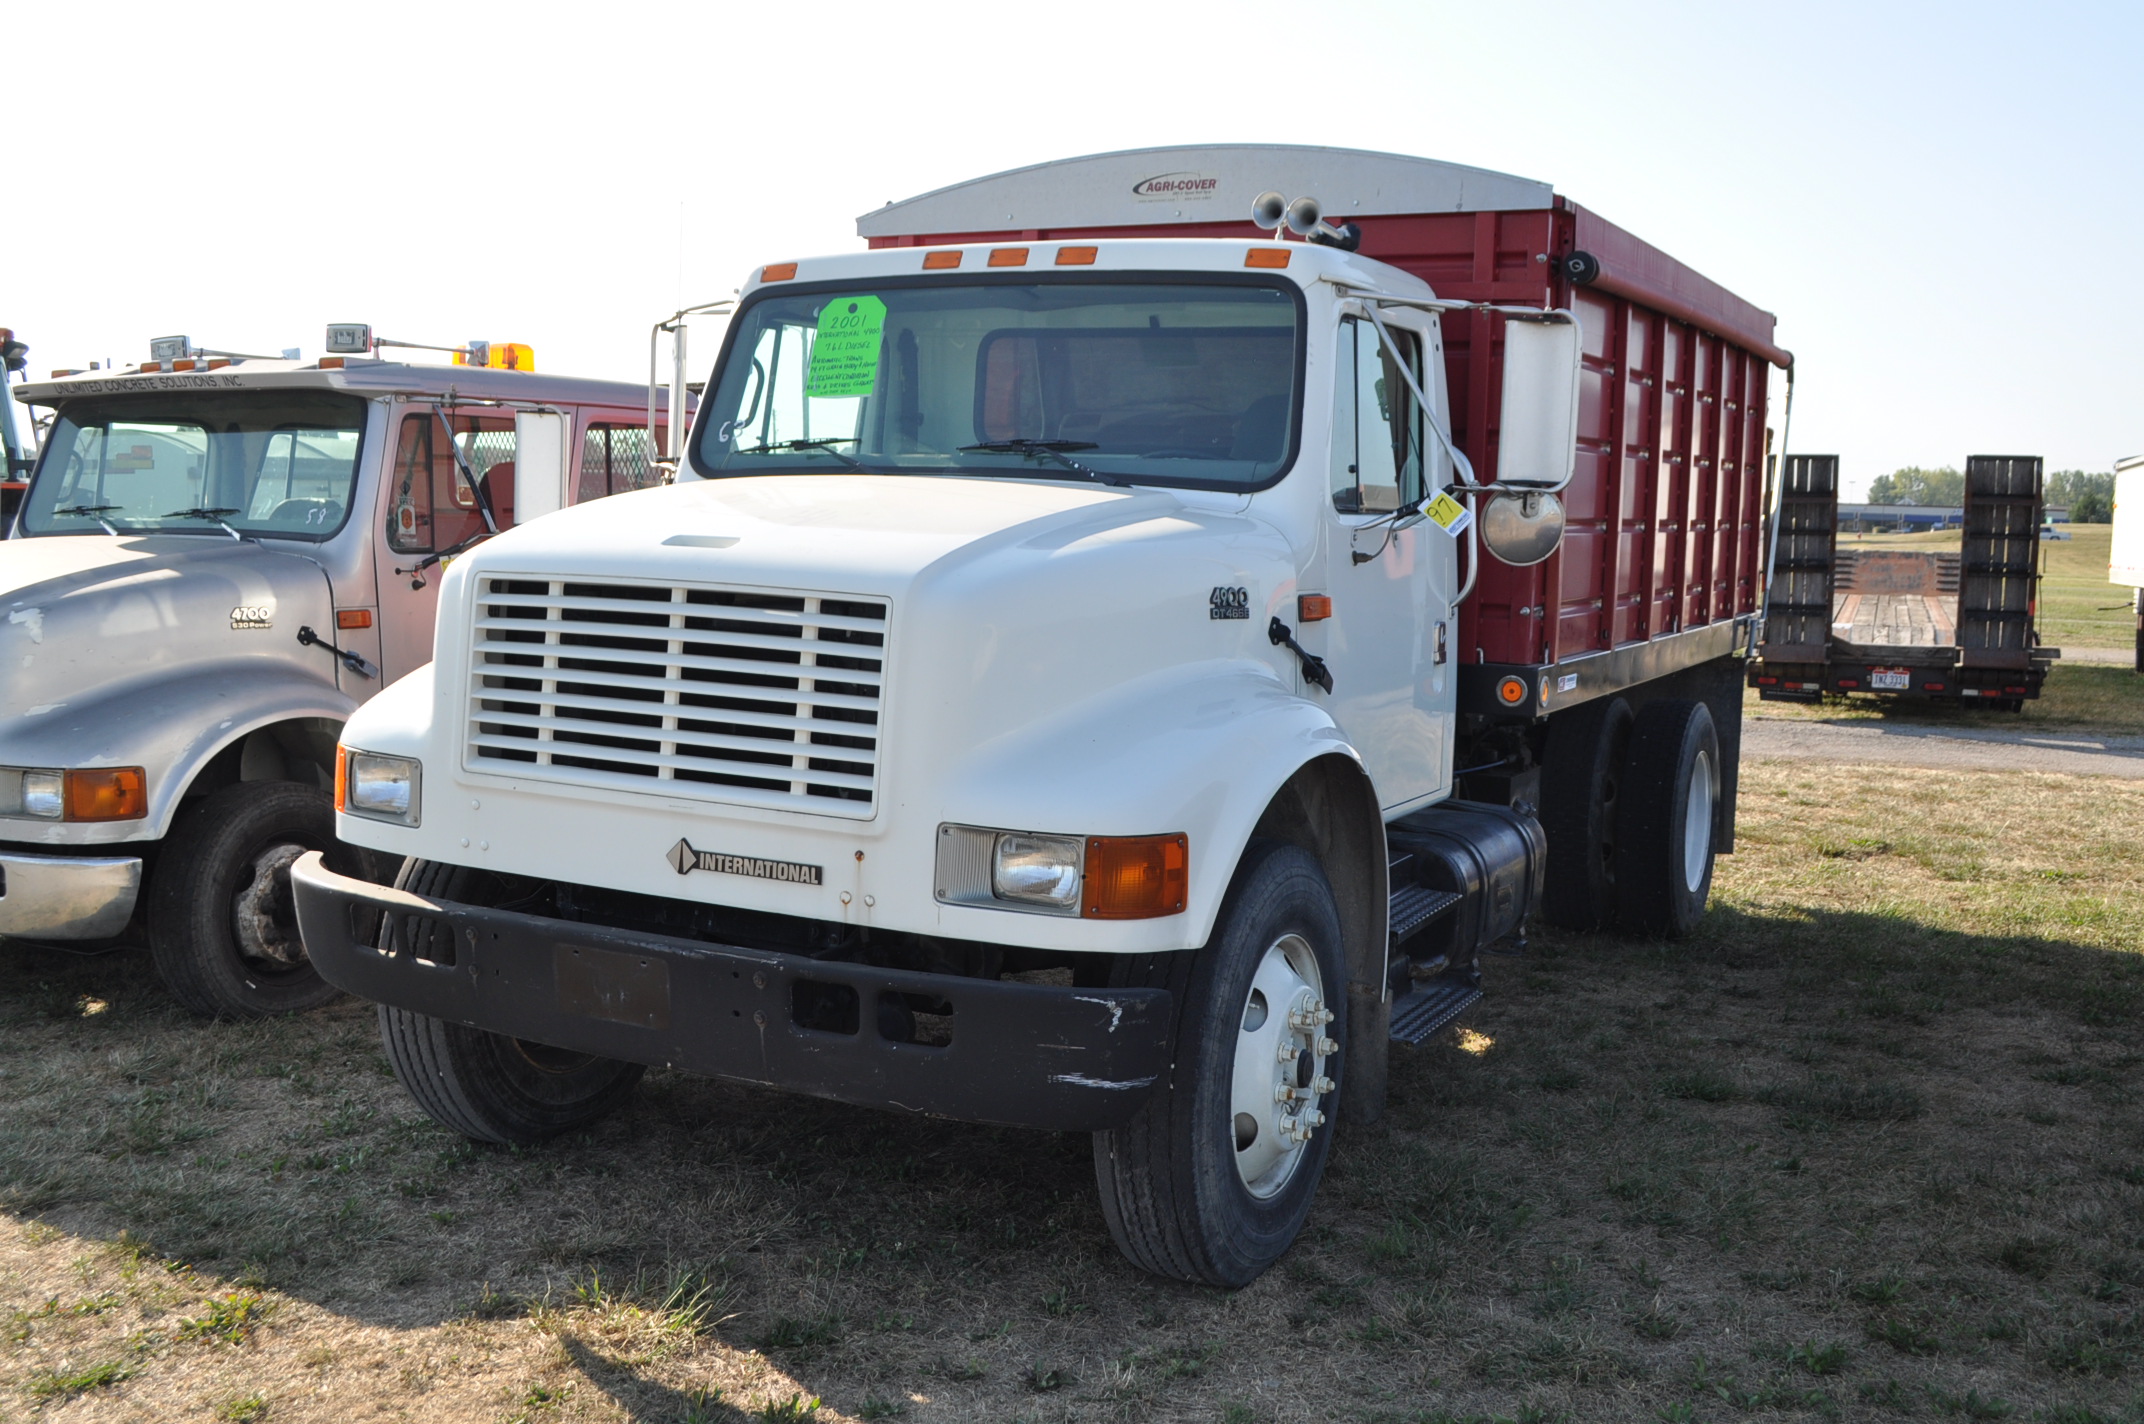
1913,518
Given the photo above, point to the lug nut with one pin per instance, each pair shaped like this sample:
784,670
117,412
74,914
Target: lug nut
1316,1119
1289,1053
1322,1085
1283,1094
1287,1127
1327,1048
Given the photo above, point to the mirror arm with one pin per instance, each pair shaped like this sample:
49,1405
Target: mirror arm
468,471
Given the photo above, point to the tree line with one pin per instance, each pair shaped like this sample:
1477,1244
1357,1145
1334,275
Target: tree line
2088,496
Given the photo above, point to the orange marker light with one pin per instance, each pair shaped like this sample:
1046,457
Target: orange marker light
1135,877
1313,607
147,368
353,618
1008,257
331,363
187,365
217,363
940,261
778,272
1075,256
1267,257
342,775
1511,691
107,793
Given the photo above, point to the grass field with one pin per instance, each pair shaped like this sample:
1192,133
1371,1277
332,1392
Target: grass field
2078,607
1867,1148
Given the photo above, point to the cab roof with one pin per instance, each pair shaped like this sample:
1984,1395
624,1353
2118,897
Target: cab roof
356,376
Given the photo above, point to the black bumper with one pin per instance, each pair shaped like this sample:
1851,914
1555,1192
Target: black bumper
1024,1055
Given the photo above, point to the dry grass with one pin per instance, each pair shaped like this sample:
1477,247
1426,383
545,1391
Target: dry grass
1868,1148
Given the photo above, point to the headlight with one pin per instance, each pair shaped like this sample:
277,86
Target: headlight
102,793
1037,870
381,788
42,794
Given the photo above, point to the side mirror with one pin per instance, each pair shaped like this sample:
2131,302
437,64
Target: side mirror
539,463
1537,441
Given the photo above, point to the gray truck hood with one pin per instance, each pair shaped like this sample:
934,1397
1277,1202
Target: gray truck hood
80,614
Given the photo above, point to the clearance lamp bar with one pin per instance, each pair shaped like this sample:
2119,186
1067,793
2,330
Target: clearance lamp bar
356,339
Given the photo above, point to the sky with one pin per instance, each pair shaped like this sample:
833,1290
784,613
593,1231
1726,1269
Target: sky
1943,204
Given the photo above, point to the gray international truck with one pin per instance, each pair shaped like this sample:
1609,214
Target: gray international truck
216,561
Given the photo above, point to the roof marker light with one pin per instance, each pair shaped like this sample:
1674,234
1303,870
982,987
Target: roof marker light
1075,256
186,365
147,368
778,272
940,261
331,363
1008,257
1267,257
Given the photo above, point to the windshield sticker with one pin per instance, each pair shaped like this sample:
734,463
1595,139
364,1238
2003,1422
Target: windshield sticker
844,355
1449,515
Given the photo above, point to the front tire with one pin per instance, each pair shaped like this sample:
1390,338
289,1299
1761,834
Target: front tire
1664,833
1212,1180
485,1085
222,928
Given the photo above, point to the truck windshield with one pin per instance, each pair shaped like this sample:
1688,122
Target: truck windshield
273,463
1171,383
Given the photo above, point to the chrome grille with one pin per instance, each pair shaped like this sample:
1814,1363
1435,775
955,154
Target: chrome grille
761,699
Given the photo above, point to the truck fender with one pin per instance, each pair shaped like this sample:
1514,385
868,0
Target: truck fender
171,726
1206,749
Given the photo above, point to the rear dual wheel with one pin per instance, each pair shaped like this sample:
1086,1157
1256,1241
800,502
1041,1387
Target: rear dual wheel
1665,822
1213,1179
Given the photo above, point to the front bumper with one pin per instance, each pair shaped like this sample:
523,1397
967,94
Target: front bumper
1023,1055
61,897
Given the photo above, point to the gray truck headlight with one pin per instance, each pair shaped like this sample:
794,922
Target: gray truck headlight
41,794
379,787
1037,870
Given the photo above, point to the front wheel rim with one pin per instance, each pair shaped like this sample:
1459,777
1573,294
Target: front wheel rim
1279,1082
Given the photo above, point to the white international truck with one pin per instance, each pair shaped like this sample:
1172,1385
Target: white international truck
216,561
1104,665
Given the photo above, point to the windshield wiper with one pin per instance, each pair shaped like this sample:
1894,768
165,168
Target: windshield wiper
824,445
1048,450
214,516
93,511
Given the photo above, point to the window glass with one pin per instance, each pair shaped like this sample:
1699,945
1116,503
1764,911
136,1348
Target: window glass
274,463
1377,426
616,458
1166,382
431,507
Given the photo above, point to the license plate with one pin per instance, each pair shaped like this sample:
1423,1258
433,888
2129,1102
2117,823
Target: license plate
1890,679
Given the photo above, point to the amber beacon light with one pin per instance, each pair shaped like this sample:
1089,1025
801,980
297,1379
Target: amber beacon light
1135,877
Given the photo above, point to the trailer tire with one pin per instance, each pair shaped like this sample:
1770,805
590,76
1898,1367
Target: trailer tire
1581,782
487,1086
1666,823
222,930
1175,1182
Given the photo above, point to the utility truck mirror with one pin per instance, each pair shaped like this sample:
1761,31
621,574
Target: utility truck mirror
1538,436
539,463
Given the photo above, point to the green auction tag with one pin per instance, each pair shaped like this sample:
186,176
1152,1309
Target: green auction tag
1449,515
844,355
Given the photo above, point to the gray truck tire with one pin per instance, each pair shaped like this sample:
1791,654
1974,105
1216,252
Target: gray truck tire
1176,1199
222,930
485,1085
1581,781
1665,824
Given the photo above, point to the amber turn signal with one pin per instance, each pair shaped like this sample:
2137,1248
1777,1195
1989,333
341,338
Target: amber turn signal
107,793
342,776
1313,607
1135,877
353,618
